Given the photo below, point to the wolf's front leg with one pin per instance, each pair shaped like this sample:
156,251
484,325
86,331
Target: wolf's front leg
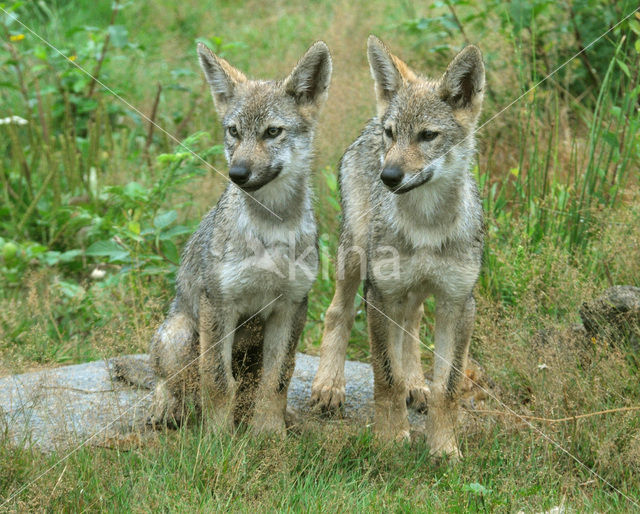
454,323
217,385
281,335
417,389
328,389
385,321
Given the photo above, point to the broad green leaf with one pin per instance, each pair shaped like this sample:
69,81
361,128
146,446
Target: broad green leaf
164,220
118,35
175,231
107,249
135,191
70,289
134,227
476,488
170,251
624,68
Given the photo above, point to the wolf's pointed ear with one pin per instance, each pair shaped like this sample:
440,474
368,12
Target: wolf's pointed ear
388,72
221,76
463,83
309,81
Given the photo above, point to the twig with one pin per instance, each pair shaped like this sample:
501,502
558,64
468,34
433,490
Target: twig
557,420
19,74
36,199
25,95
457,20
83,391
43,123
103,53
466,41
152,124
20,156
58,482
583,54
181,126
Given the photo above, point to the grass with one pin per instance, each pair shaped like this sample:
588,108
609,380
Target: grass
86,186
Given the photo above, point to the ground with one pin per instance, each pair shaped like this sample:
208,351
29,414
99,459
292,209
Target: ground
96,207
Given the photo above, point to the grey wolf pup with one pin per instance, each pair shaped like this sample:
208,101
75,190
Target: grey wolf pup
253,258
406,186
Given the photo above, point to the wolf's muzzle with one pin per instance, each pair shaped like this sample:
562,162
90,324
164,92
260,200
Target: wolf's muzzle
414,181
262,179
239,173
391,176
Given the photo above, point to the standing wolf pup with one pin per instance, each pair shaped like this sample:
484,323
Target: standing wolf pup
406,185
253,258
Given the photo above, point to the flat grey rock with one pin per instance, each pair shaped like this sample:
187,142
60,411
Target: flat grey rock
62,407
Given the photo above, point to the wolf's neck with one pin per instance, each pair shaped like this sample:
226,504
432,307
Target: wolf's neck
281,204
432,214
433,203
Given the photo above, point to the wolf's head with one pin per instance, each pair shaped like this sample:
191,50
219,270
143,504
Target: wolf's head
268,125
427,125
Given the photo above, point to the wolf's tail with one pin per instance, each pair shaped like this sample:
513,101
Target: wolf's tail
134,370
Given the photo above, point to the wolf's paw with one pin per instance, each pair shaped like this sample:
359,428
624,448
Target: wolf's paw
327,397
388,434
444,445
270,424
219,420
292,418
418,398
166,411
161,423
403,436
440,430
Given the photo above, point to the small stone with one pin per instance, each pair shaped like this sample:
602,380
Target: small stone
13,120
614,313
98,274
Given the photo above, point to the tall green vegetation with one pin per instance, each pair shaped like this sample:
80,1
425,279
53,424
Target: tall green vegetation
88,180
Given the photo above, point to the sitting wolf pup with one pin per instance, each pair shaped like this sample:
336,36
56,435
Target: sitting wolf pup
229,340
406,187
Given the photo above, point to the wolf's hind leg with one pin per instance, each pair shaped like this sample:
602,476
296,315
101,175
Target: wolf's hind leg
328,389
417,389
174,359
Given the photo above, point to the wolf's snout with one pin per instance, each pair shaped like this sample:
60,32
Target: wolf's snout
239,173
391,176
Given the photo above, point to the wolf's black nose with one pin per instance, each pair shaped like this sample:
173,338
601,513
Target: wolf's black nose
391,176
239,174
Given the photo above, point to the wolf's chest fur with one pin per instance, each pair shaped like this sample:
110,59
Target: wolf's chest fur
266,262
436,241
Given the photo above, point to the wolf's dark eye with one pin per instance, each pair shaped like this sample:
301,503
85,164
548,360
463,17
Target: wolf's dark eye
233,131
272,132
427,135
388,131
